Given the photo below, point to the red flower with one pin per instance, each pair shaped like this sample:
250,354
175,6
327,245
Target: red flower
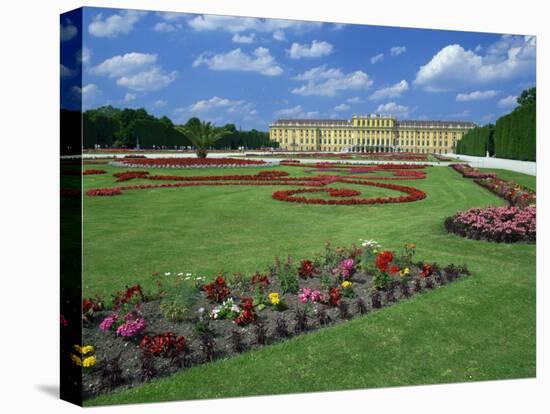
383,259
306,269
217,290
394,269
334,296
261,281
248,314
427,270
165,344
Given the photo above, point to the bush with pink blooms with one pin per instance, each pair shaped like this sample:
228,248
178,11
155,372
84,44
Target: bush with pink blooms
498,224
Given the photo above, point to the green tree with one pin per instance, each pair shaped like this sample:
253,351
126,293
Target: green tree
202,135
527,97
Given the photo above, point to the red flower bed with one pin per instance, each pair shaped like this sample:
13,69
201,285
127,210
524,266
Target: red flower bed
383,259
515,194
104,192
344,193
165,344
289,195
498,224
129,175
93,172
470,172
190,162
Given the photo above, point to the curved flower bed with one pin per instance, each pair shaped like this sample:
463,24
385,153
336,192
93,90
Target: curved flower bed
469,172
143,337
189,162
413,194
515,194
104,192
497,224
337,192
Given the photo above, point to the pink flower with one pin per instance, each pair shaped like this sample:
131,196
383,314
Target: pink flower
106,323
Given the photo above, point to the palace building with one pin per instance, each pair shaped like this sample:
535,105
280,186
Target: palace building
368,133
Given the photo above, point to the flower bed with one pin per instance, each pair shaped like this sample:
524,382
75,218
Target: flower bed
188,162
497,224
104,192
515,194
469,172
138,340
130,175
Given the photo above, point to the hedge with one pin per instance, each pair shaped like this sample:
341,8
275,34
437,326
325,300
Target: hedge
476,141
515,134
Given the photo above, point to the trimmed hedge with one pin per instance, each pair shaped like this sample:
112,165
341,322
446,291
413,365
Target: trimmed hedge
156,133
476,141
515,134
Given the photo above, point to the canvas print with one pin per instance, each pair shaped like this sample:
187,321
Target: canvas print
255,206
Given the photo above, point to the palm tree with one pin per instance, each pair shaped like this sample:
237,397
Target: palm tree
202,135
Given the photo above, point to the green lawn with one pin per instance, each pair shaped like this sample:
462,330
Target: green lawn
479,328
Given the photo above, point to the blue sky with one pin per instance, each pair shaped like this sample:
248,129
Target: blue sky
251,72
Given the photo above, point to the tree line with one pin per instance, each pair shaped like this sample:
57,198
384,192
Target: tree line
110,127
512,137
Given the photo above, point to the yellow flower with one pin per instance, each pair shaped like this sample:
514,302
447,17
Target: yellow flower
404,272
346,284
76,360
89,361
83,350
274,298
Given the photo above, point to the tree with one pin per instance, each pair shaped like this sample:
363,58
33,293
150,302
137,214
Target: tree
202,135
527,97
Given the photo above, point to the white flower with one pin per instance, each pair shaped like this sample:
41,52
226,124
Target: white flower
167,274
201,310
188,274
180,274
186,278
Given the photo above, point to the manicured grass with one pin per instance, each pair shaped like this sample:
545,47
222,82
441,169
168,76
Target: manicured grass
528,181
479,328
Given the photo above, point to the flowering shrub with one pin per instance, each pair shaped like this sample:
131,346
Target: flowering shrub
107,323
515,194
248,314
470,172
383,259
306,269
260,282
427,270
133,294
227,310
133,324
345,269
217,290
498,224
89,306
310,295
334,296
165,344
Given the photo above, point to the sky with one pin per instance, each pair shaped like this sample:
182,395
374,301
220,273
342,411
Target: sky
253,71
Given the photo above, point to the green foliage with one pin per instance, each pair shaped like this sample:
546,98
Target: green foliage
476,141
202,136
152,133
528,97
287,275
178,298
515,134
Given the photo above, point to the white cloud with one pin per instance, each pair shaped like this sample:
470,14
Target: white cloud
279,35
124,64
84,56
129,97
315,50
508,102
149,80
112,26
393,91
261,61
237,38
159,103
478,48
391,108
355,100
377,58
219,110
171,16
240,24
342,107
67,72
167,27
328,82
88,93
453,66
476,96
296,112
397,50
68,31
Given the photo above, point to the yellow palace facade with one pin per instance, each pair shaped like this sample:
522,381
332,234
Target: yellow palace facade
368,133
